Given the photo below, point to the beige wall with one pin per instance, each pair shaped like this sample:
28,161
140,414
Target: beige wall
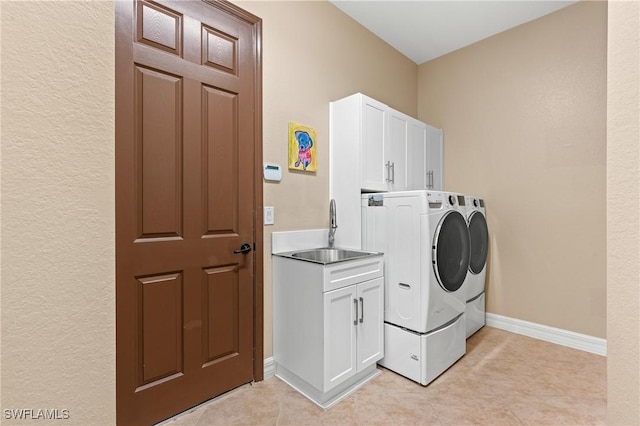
58,258
313,54
623,214
524,116
57,291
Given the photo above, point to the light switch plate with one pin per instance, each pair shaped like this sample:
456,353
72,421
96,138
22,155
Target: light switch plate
269,218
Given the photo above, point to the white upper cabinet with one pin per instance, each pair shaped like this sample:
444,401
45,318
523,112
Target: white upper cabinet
373,138
425,157
374,148
434,159
369,136
383,146
395,161
417,155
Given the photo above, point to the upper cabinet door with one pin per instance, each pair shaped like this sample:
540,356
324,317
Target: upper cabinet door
434,159
395,161
417,155
373,138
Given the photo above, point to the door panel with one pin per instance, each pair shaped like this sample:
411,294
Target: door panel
220,325
219,50
396,150
158,108
159,27
160,327
186,161
339,336
370,322
416,155
374,127
435,158
220,155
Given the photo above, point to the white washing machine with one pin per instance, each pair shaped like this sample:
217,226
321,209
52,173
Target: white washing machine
425,239
476,277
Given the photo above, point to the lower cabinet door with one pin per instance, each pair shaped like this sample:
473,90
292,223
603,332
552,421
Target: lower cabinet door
339,335
370,347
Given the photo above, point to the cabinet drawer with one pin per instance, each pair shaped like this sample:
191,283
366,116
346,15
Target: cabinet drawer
342,274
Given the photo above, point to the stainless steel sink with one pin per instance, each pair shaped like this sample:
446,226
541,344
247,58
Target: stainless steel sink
327,255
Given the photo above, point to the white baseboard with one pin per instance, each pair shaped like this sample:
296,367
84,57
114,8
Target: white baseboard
559,336
269,368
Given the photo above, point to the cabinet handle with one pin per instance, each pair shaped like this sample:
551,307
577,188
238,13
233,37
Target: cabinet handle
355,321
361,310
393,172
387,165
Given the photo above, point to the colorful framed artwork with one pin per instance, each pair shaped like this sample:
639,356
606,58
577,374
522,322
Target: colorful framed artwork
302,148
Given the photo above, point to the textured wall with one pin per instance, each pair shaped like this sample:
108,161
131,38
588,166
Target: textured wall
58,259
524,116
313,54
57,241
623,214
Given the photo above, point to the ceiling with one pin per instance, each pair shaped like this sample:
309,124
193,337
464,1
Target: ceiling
425,29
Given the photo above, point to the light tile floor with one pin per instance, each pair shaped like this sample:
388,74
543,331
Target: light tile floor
504,379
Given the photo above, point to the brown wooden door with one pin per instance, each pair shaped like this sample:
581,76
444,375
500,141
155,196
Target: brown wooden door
186,131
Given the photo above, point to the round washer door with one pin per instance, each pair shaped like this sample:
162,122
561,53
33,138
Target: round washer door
451,248
479,234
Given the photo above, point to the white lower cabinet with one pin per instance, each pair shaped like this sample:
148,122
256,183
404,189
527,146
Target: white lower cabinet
370,338
328,325
353,331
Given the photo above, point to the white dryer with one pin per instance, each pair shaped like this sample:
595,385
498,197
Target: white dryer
476,277
425,239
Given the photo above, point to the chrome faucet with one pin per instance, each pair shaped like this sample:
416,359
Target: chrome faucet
332,222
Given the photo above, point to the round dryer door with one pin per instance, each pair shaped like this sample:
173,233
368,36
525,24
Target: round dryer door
451,249
479,234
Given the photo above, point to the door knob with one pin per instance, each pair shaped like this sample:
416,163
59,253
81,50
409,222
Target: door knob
244,249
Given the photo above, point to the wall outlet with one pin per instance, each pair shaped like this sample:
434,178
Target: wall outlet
269,215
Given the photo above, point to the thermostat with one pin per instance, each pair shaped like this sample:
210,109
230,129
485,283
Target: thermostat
272,172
